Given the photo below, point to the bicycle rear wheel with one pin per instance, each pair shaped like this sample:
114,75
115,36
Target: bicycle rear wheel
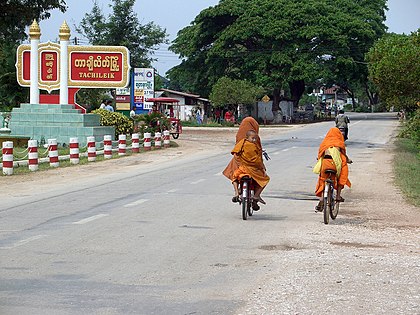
327,198
334,210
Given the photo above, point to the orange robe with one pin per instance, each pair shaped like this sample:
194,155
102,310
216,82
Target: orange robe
247,124
250,162
334,138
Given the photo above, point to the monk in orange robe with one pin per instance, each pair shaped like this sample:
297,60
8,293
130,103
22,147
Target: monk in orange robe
333,156
247,160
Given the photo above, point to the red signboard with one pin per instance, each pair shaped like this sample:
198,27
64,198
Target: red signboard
27,65
49,66
88,66
96,67
122,98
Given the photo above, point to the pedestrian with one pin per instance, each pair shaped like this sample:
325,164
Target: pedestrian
133,112
103,104
108,106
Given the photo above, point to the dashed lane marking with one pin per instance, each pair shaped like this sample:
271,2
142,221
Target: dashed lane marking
285,150
92,218
135,203
197,181
23,242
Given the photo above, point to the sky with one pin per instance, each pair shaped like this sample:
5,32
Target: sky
173,15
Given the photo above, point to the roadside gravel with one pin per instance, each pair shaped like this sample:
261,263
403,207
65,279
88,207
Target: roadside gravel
367,262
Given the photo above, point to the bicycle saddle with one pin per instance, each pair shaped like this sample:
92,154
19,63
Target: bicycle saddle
330,171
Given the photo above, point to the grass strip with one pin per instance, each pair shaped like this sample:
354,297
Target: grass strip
407,169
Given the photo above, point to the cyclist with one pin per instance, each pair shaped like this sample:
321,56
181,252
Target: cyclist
332,155
342,122
250,160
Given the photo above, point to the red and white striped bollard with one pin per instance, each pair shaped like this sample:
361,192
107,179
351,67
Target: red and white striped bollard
122,144
158,140
91,148
33,163
7,151
147,144
74,151
135,146
53,152
107,146
166,140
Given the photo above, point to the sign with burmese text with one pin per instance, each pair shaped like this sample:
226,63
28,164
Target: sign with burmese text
88,66
99,66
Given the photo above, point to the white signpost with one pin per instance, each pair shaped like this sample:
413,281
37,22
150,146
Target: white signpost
144,87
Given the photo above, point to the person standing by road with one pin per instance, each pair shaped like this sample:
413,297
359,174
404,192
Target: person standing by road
108,106
342,122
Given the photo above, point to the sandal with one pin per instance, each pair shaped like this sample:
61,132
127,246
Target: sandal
259,199
319,207
255,205
339,200
236,199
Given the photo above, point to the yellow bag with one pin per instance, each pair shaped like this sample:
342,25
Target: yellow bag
317,167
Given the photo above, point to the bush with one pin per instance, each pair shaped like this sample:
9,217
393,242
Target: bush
153,122
123,125
411,128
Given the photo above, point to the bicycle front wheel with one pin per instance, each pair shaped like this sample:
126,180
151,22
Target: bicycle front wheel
245,201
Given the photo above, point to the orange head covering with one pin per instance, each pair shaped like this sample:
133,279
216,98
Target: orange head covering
248,123
334,138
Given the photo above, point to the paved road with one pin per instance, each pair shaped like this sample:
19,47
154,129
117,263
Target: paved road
166,240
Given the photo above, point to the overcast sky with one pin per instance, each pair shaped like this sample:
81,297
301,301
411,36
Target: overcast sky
173,15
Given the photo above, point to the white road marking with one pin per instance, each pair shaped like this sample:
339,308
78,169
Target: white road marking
135,203
352,124
285,150
197,181
23,242
218,174
173,190
95,217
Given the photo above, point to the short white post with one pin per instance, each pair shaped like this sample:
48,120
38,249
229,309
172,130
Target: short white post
33,163
166,140
122,144
107,146
147,144
158,140
91,147
135,145
53,152
74,151
7,151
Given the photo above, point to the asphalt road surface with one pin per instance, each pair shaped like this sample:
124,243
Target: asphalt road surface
165,239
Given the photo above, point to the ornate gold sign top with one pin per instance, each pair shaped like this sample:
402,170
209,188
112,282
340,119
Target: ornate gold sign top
34,30
64,33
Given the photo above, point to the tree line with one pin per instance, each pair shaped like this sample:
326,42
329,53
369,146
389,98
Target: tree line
281,48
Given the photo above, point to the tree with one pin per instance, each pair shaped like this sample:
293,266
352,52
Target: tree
123,28
14,17
280,45
234,92
394,68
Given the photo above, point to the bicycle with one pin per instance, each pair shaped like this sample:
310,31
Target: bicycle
247,193
330,205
